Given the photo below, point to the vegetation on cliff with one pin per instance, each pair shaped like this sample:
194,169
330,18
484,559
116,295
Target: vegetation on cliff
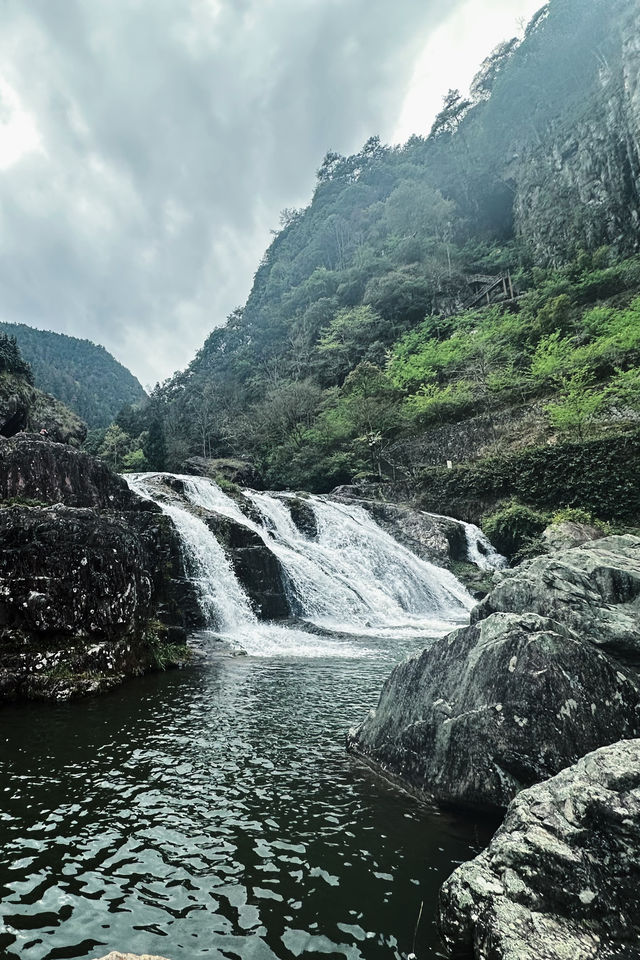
24,407
417,290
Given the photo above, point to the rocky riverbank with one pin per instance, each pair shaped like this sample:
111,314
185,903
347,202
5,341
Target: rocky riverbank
560,878
92,585
547,672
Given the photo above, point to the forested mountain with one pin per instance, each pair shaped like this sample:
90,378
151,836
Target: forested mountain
81,374
471,291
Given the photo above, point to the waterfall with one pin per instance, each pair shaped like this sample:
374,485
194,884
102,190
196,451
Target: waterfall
355,578
222,599
481,551
351,579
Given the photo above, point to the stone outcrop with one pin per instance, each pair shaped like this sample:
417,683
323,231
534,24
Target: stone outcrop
589,168
560,879
593,590
433,538
88,594
518,695
240,472
256,567
471,439
303,516
35,469
563,536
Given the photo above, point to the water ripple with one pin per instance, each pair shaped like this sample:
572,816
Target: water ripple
213,813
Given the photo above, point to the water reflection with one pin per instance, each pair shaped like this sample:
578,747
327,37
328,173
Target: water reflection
213,813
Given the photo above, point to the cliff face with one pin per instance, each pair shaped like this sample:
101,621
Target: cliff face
586,167
92,587
35,469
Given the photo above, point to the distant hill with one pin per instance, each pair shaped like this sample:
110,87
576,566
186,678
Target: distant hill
81,374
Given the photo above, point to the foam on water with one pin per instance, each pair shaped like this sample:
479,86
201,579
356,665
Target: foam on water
355,578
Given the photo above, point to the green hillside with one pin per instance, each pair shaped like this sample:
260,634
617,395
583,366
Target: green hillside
471,292
83,375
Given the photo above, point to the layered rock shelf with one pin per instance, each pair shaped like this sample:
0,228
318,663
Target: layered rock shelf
92,584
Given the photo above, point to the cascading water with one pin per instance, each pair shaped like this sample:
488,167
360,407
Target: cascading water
481,551
351,579
225,605
222,599
355,578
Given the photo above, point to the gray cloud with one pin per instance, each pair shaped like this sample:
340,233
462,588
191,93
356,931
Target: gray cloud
172,132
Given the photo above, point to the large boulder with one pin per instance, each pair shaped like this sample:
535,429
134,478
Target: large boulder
92,582
86,599
568,534
593,589
517,696
256,567
560,878
303,515
496,707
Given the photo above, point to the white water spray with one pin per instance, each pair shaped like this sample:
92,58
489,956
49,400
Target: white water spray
355,578
351,579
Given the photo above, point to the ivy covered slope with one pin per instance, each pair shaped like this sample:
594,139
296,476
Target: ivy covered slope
473,293
81,374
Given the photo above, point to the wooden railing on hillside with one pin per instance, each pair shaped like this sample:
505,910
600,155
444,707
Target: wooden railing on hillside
491,289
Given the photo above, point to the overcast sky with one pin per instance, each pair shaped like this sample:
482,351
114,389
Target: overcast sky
147,146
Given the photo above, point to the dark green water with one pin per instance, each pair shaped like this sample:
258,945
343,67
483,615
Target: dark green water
213,813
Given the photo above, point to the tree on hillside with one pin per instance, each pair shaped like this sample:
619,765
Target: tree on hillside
454,108
11,359
115,446
484,80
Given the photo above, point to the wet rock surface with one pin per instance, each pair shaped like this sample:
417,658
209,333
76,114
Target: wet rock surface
433,538
594,590
517,696
465,723
88,594
303,516
256,567
560,879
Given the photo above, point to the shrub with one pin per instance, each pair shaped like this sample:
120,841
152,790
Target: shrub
599,475
514,527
